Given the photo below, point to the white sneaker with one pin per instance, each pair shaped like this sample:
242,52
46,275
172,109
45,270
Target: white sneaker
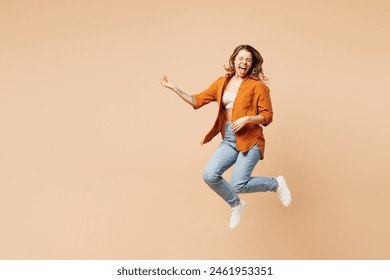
283,191
236,214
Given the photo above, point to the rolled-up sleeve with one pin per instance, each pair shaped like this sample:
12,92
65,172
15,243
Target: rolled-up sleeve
206,96
264,104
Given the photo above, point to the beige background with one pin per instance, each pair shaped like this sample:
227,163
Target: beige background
98,161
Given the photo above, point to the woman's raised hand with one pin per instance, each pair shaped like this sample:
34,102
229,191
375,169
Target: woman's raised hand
186,97
166,83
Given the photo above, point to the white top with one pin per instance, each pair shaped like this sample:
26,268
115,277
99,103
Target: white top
228,99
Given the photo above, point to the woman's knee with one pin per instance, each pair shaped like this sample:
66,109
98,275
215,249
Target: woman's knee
239,186
210,176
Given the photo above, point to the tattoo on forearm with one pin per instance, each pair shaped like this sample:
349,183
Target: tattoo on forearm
182,93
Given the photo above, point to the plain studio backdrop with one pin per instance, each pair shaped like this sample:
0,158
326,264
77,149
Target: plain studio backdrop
99,161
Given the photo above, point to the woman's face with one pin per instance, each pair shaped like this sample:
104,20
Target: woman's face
243,63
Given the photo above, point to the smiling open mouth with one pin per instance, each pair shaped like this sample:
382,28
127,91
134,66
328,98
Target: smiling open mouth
242,69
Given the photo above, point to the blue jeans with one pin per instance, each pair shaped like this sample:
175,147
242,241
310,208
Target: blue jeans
241,181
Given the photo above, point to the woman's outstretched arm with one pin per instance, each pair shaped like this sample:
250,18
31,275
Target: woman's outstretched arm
186,97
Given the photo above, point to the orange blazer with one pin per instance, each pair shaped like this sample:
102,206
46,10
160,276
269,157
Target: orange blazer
253,98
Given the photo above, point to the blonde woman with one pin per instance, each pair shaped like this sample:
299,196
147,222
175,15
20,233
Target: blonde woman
244,109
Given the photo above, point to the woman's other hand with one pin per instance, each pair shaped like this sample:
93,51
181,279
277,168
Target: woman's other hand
240,123
166,83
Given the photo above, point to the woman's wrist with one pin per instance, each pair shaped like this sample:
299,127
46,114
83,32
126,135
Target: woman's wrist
255,119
